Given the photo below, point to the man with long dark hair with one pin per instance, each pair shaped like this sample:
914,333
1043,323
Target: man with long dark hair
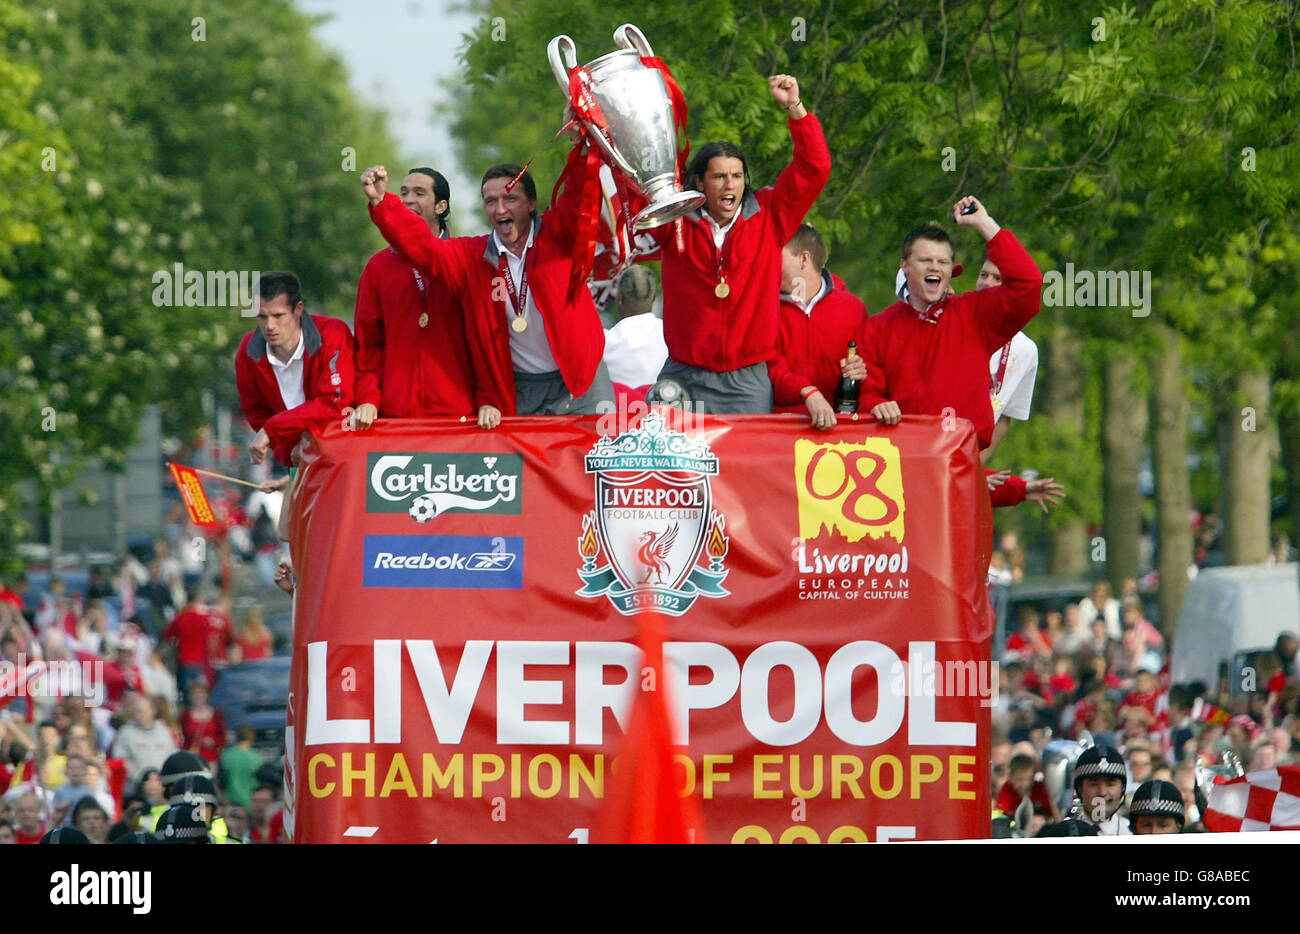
722,264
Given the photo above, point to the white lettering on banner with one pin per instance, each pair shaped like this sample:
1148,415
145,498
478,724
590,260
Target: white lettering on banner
590,660
815,692
320,728
449,710
924,727
839,683
514,693
754,680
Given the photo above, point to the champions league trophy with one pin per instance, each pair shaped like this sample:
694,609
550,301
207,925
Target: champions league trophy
639,137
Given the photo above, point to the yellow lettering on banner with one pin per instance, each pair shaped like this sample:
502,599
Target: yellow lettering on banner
920,778
478,769
762,777
877,790
454,775
957,778
847,833
514,775
398,778
366,773
534,781
800,832
688,766
713,774
846,770
751,832
317,790
594,780
795,784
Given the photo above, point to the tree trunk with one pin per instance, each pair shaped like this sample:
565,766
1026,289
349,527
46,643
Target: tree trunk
1064,386
1124,424
1246,500
1174,554
1289,430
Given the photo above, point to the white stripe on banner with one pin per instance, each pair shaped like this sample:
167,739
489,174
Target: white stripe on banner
356,831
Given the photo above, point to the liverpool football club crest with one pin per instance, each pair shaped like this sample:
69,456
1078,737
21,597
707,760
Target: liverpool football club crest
654,540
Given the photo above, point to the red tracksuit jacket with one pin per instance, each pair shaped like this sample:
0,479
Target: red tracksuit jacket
468,266
809,346
328,378
404,369
926,368
722,334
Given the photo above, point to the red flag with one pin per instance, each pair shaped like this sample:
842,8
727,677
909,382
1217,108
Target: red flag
196,501
642,804
1205,712
1265,800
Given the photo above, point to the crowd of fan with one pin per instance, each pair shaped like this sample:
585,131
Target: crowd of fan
1097,670
90,715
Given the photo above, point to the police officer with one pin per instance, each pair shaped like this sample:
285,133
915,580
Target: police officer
1099,780
1157,807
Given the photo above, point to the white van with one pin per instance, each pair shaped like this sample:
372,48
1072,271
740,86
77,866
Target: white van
1229,616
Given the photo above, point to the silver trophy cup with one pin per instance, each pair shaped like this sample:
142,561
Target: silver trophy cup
643,139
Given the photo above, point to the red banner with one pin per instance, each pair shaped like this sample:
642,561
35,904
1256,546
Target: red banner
196,501
464,637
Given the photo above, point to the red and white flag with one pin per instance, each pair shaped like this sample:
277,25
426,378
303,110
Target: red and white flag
1265,800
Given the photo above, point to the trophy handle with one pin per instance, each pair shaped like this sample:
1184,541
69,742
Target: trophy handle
629,37
563,56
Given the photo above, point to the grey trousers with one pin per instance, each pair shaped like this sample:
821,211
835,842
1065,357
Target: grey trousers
546,394
747,391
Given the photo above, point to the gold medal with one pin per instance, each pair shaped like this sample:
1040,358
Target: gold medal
722,290
519,324
997,404
424,319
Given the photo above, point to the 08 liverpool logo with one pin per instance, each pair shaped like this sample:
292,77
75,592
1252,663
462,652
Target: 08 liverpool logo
654,523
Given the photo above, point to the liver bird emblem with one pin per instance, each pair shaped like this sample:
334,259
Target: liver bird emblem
653,553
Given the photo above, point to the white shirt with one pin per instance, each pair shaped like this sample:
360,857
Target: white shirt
808,308
635,351
530,352
289,376
720,233
1018,382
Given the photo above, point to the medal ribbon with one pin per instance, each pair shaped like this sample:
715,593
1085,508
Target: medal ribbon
520,299
995,383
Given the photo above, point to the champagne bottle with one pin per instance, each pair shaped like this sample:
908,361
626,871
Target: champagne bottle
846,396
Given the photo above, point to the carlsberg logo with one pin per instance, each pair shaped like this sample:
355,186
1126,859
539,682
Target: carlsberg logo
455,482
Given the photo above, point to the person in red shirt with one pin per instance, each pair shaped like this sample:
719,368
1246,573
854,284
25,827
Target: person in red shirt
818,317
254,640
1021,783
412,357
535,337
29,826
722,265
930,354
190,630
203,730
294,371
1145,692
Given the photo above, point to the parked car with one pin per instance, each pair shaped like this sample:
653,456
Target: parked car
257,693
